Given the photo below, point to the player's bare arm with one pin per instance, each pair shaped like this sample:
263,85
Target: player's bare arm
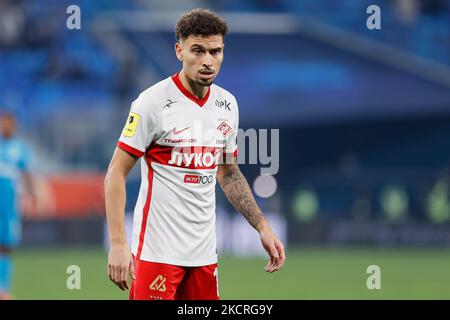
120,262
30,191
27,179
238,192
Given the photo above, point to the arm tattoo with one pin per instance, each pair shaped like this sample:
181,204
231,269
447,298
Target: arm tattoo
238,192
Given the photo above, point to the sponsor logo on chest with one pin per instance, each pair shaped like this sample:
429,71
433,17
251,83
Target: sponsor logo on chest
199,159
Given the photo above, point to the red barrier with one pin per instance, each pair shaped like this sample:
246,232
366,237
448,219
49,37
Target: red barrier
66,195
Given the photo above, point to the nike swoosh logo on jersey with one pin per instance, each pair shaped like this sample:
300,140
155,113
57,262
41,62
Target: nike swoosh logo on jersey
175,132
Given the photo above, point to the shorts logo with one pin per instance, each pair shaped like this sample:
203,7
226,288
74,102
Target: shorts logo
131,125
159,284
224,129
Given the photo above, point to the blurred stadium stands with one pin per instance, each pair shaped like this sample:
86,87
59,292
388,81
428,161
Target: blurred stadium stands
364,115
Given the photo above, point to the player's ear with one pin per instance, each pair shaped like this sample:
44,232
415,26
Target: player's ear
178,51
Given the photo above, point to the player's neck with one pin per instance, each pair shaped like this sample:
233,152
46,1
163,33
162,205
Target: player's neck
193,88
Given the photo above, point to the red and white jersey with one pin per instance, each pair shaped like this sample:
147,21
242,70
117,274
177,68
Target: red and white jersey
180,139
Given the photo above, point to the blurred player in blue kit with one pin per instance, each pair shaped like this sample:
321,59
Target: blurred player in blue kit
14,158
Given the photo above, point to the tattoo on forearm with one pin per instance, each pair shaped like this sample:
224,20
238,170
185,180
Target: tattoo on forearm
238,192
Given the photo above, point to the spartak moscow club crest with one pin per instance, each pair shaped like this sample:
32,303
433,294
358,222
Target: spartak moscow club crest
225,129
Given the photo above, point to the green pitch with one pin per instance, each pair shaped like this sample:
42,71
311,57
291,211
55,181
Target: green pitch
314,273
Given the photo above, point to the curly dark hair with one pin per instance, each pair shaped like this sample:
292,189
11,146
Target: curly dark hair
202,22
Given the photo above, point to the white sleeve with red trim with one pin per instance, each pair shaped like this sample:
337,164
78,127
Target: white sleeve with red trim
231,145
141,126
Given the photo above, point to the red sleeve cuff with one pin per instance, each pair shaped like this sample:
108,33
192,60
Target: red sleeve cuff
129,149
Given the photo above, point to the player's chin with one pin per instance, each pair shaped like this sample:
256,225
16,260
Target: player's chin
205,81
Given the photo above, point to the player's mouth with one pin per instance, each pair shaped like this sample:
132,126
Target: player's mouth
206,74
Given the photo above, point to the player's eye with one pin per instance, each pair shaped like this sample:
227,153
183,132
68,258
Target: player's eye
215,51
197,51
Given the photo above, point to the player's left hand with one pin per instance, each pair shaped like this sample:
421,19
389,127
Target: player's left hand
274,248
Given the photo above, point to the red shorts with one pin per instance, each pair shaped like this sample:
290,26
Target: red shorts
160,281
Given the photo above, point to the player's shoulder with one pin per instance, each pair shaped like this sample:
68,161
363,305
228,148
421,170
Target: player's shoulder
18,146
147,100
18,141
223,93
158,90
23,145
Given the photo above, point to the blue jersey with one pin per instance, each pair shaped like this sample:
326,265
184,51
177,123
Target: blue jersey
13,160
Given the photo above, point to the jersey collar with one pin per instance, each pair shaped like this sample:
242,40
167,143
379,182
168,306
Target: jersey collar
199,102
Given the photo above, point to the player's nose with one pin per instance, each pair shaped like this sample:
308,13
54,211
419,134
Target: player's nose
207,62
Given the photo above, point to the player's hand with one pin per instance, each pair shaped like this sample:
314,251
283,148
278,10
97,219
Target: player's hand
274,248
120,263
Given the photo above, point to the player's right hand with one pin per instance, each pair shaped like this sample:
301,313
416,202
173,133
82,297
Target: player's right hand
120,263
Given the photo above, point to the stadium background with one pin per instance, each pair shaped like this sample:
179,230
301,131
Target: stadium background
364,119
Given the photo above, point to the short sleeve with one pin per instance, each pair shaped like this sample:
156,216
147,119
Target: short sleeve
140,128
231,145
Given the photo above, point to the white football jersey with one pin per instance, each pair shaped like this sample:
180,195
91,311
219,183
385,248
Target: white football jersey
181,140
